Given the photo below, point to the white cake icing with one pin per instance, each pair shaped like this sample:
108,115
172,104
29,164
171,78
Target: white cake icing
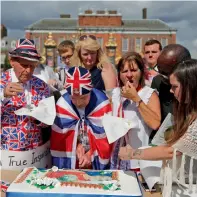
126,185
45,181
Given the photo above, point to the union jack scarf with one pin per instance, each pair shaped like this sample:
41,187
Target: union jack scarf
66,128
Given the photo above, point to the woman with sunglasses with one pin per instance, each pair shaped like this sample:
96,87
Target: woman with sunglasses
88,54
180,149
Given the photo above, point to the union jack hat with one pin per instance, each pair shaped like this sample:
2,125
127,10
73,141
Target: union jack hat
78,81
25,49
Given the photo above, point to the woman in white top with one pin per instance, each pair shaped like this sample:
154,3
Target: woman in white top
139,103
183,139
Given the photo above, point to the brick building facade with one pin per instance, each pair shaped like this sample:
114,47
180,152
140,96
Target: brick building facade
129,34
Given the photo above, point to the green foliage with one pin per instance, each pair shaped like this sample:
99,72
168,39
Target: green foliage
6,63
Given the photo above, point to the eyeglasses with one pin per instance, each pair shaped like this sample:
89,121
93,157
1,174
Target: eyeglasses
84,37
64,58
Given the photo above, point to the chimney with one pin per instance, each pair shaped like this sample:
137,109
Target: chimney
144,13
89,11
100,11
112,11
64,15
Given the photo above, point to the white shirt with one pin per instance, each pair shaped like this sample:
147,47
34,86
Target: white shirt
138,135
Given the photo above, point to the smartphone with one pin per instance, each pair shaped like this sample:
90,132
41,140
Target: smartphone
145,186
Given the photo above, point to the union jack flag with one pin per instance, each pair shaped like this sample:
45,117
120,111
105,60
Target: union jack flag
66,129
25,43
20,133
78,81
25,48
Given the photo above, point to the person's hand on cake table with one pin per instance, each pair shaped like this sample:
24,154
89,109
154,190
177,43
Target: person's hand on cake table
151,153
125,152
80,151
85,160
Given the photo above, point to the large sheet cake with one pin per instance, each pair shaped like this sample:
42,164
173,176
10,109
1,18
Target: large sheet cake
33,182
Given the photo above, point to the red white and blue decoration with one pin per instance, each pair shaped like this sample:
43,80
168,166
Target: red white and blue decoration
25,49
78,81
66,128
20,133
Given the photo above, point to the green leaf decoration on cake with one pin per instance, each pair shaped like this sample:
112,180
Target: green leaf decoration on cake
107,187
28,181
42,187
51,186
35,171
111,186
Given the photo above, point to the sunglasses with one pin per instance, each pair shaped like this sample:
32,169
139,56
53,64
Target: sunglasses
84,37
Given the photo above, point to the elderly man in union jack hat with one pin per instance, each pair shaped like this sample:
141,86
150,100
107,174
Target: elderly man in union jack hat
19,88
78,138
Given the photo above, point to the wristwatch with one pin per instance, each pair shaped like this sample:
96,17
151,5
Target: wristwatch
138,103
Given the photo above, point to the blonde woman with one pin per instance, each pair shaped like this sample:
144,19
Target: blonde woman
88,54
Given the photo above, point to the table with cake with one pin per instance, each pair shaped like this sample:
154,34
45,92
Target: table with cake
33,182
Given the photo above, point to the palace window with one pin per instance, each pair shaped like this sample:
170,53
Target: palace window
37,42
151,39
60,40
2,43
100,41
13,44
164,42
125,44
138,45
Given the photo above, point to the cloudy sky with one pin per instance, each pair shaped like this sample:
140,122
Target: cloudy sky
182,15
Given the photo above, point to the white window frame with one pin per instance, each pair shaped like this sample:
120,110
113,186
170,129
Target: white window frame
151,38
37,43
60,40
13,44
3,43
166,42
100,41
125,44
140,45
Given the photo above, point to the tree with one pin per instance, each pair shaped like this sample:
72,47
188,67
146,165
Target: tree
6,63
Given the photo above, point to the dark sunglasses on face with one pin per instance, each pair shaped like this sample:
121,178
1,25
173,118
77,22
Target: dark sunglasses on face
84,37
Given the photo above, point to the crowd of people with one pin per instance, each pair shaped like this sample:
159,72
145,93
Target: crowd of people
142,89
